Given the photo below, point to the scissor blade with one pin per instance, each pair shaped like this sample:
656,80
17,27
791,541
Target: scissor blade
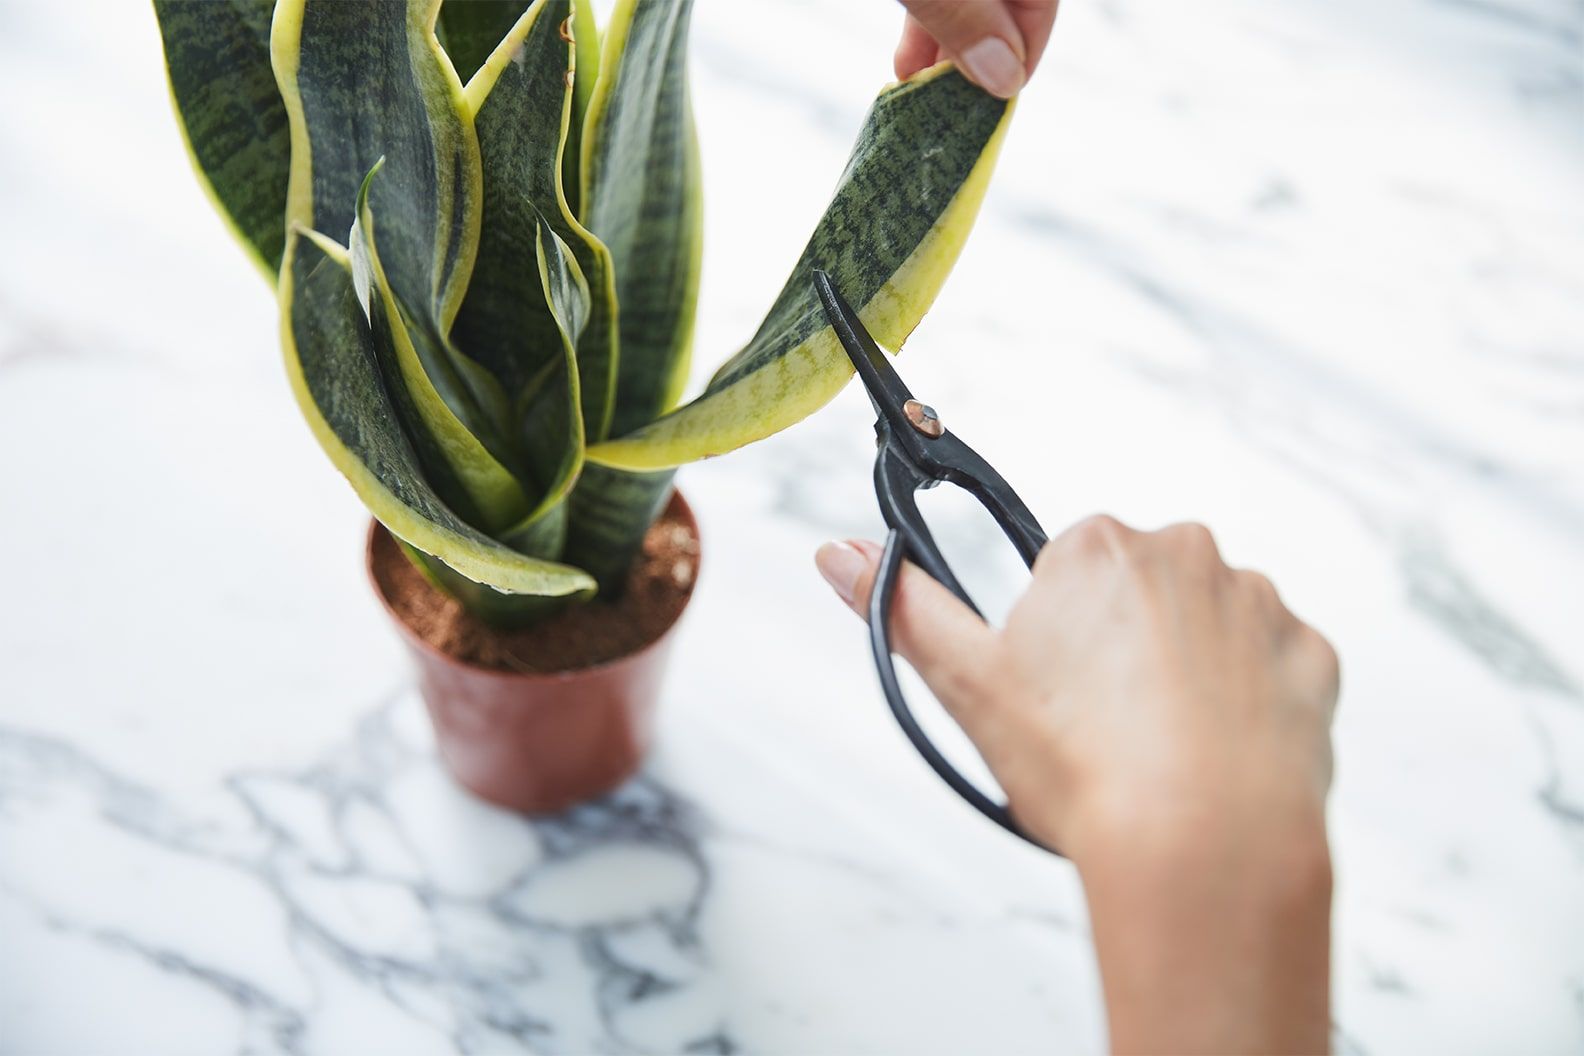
886,388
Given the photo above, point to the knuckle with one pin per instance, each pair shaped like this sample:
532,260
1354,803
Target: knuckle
1260,587
1193,538
1098,531
1324,653
1319,659
1096,538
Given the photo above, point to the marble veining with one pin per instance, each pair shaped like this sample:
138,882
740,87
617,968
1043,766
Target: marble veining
565,939
1312,273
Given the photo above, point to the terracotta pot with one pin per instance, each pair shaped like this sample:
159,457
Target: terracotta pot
539,742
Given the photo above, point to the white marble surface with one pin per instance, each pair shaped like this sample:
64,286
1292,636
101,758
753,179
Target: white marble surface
1312,272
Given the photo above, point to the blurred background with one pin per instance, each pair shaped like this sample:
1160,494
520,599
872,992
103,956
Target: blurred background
1309,271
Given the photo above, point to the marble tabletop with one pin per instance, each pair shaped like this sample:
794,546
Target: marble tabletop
1310,272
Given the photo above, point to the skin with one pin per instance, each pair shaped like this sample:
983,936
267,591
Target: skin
1164,720
996,43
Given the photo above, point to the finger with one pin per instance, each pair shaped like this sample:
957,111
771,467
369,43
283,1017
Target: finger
982,37
1035,19
951,648
917,50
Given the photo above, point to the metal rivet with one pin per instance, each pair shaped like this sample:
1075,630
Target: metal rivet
924,418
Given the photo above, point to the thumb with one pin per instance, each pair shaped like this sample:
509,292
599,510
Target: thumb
982,37
951,648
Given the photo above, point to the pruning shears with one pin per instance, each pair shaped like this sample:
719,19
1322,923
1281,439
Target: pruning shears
916,451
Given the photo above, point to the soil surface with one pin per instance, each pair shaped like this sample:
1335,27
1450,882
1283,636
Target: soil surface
658,586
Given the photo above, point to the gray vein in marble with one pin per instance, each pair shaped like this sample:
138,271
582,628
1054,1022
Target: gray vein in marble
484,981
1565,31
1236,345
1421,919
263,1014
1443,594
1385,979
1344,1044
1448,599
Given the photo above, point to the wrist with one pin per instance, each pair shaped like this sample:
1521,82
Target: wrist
1265,852
1211,937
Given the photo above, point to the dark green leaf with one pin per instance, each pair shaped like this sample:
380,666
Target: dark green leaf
900,215
217,54
365,80
332,362
611,510
586,36
553,421
425,373
471,29
640,197
522,106
502,611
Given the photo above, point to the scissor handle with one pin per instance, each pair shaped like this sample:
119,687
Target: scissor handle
909,537
963,466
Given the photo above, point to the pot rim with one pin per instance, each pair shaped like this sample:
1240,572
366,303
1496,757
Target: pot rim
569,675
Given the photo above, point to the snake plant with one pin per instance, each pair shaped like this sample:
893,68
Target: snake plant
482,221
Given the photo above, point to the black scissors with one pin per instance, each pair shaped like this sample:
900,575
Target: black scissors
916,452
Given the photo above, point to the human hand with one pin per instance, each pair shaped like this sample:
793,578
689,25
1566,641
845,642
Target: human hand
996,43
1164,721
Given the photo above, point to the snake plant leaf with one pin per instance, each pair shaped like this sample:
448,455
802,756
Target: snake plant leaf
610,512
332,364
587,43
471,29
504,612
366,79
217,56
640,196
553,422
494,497
521,103
899,218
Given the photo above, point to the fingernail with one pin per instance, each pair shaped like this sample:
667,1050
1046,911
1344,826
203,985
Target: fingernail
841,565
992,65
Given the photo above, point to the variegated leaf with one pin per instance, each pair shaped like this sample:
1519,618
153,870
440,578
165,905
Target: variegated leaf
471,29
900,216
493,495
364,80
217,55
610,512
522,102
640,196
332,363
553,419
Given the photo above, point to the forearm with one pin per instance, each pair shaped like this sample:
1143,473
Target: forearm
1218,946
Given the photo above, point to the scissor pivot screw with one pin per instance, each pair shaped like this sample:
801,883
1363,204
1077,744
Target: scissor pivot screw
923,418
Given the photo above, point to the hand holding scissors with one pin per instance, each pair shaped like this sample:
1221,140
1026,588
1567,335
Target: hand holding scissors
1137,674
1160,717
